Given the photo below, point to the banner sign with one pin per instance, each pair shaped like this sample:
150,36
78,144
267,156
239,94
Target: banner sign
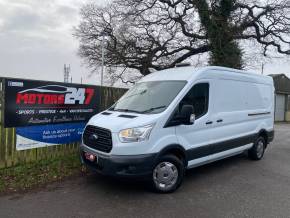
46,135
34,103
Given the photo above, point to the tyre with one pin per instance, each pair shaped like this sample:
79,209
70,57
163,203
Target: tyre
258,150
167,174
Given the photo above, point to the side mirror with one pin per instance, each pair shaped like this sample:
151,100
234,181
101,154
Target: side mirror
187,116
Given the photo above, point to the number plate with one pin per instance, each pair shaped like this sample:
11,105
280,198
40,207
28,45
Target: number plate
91,157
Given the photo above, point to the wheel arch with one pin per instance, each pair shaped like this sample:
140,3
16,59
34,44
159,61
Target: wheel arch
176,150
264,134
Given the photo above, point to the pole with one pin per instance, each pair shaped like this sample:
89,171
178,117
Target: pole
262,68
102,72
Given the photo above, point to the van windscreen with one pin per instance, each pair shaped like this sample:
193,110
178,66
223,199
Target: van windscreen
149,97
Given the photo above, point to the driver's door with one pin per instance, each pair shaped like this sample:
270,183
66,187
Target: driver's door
196,138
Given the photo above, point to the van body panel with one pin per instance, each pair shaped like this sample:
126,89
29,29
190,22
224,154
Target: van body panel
196,135
158,140
243,105
218,156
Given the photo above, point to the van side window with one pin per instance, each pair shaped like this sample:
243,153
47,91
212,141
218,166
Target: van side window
198,97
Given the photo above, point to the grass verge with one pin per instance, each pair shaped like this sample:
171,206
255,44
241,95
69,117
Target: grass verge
24,177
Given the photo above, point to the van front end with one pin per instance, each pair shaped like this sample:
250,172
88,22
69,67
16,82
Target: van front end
132,145
118,165
117,153
102,151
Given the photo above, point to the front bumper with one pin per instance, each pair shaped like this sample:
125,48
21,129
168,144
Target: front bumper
120,165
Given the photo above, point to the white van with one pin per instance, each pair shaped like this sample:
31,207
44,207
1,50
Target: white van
180,118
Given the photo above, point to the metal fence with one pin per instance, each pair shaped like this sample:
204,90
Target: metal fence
9,156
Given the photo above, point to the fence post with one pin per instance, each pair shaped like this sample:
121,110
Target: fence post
2,132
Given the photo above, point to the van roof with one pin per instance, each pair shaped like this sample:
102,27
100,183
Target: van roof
189,73
177,73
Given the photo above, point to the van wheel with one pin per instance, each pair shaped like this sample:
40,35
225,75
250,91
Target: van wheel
258,150
168,174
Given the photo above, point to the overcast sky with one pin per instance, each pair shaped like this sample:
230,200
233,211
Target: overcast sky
36,41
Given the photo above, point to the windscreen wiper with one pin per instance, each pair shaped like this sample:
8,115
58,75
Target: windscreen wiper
126,110
152,109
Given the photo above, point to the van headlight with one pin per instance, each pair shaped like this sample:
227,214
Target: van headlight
136,134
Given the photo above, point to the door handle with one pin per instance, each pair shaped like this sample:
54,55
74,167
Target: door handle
208,122
219,120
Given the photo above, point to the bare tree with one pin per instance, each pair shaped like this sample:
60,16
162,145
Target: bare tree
148,35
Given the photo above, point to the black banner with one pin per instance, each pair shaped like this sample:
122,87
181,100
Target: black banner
29,102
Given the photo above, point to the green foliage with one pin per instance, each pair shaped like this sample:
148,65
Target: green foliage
23,177
224,50
226,7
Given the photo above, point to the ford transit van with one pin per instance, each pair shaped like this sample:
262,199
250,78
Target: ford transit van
181,118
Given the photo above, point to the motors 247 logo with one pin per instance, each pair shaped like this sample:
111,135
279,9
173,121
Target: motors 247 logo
55,95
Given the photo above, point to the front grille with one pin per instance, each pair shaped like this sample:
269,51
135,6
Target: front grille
104,138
